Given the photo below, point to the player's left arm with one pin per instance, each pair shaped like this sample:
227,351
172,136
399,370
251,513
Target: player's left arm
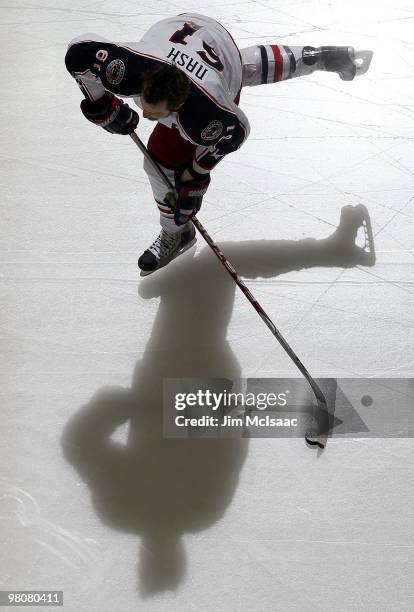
226,134
233,136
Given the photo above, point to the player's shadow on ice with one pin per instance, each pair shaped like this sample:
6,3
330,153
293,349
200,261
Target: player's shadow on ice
161,489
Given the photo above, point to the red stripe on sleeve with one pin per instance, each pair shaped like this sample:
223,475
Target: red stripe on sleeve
278,63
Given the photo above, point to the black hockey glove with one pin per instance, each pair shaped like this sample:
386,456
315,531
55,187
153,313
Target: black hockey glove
111,113
190,195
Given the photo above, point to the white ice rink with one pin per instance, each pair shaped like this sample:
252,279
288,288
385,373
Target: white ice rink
93,500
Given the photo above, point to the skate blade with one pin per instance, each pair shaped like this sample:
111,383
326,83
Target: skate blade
362,61
180,252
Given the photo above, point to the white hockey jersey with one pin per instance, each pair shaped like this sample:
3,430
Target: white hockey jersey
200,47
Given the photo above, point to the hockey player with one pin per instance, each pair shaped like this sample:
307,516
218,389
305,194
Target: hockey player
186,73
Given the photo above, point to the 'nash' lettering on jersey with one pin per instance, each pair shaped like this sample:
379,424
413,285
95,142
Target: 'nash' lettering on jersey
192,66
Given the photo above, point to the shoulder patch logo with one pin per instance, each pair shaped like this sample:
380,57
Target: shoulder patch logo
212,131
115,71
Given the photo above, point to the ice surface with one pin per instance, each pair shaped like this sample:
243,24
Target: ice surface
92,500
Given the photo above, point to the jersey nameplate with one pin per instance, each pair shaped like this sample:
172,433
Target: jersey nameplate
191,65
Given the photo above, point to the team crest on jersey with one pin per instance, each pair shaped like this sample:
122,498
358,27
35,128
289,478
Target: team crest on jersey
212,131
115,71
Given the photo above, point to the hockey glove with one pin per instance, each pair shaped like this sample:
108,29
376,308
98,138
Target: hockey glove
189,195
111,113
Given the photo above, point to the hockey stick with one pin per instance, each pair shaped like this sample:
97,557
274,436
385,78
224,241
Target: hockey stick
318,439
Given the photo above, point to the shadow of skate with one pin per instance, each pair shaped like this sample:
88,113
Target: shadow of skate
161,489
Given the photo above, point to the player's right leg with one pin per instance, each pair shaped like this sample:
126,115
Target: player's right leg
171,152
272,63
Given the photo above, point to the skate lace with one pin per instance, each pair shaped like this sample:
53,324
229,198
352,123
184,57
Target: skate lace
165,244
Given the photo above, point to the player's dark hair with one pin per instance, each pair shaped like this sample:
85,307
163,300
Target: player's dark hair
166,82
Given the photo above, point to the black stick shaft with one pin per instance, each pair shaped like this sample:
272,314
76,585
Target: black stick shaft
216,250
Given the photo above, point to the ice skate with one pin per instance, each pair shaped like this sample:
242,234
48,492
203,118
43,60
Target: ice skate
345,61
165,248
352,219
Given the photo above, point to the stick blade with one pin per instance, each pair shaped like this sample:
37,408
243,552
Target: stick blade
315,441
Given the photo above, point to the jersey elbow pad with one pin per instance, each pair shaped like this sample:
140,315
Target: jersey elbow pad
208,157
